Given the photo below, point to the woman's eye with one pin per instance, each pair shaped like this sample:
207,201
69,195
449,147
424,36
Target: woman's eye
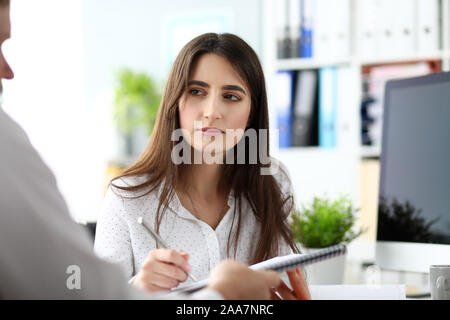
232,97
195,92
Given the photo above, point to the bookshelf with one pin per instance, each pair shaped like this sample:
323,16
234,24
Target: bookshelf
317,171
307,63
438,55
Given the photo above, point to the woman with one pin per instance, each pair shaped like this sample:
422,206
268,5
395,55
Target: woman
206,211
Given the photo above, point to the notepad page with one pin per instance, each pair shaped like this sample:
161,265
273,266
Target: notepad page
190,287
274,263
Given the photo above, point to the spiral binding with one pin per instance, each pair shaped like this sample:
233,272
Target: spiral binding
322,254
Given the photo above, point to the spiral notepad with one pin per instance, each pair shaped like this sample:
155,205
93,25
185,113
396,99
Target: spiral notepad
292,261
280,264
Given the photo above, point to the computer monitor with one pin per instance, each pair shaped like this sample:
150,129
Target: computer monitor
413,227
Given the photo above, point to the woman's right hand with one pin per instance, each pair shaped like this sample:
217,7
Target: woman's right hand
162,270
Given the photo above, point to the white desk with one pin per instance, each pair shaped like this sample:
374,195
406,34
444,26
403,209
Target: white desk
356,273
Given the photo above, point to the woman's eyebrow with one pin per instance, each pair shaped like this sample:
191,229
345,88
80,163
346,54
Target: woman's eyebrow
235,88
226,87
198,83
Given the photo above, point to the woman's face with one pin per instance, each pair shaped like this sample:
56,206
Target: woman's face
215,105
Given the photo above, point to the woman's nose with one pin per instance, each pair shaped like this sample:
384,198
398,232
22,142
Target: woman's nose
212,109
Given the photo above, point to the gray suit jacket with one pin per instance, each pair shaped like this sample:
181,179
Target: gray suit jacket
44,254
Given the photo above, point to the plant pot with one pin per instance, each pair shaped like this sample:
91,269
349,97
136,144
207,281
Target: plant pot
326,272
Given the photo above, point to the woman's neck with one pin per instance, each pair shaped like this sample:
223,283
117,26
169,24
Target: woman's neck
204,180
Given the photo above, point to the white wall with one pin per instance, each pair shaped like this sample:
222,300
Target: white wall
64,54
46,95
131,33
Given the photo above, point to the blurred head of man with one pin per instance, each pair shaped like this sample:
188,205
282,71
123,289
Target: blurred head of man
5,32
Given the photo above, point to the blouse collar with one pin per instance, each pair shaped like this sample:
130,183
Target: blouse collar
176,207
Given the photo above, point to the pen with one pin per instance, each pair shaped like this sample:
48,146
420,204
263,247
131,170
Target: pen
158,239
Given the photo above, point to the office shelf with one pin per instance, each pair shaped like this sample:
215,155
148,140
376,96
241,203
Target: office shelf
439,55
336,170
370,152
305,63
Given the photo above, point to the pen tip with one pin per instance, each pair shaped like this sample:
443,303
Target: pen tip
139,220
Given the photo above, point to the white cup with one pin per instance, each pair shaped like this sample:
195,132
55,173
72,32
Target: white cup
440,282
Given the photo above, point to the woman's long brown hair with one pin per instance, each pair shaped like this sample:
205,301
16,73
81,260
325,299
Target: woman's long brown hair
262,192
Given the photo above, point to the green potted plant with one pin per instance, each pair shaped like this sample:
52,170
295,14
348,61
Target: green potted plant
324,223
136,102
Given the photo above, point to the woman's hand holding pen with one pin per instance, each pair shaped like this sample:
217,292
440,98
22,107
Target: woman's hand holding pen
163,269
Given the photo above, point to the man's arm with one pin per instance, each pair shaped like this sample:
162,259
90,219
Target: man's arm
44,254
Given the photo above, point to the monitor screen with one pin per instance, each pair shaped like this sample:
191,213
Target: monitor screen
414,202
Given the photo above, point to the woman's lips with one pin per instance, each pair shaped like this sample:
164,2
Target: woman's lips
211,132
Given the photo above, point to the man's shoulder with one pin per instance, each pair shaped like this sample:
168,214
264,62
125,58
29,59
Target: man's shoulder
10,131
18,154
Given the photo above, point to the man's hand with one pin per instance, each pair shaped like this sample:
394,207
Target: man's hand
235,281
